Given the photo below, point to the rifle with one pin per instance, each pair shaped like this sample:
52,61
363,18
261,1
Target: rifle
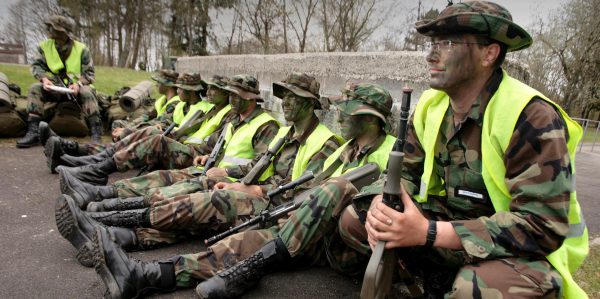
378,275
359,177
212,159
264,162
165,133
64,89
191,125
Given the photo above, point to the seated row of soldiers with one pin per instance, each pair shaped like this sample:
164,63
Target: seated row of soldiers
183,199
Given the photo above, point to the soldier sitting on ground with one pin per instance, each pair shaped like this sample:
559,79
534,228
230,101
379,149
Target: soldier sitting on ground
68,61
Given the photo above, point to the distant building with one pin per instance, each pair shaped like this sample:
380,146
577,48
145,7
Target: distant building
12,53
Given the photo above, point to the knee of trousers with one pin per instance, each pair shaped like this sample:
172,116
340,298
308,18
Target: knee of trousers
352,230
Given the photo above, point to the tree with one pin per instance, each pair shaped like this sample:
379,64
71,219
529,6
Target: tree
300,16
260,18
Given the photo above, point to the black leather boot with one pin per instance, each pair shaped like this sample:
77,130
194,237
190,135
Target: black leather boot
118,204
95,128
32,137
234,282
84,193
96,174
74,161
75,227
125,277
45,132
128,218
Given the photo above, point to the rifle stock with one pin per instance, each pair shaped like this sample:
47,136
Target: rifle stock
214,154
252,177
378,275
360,177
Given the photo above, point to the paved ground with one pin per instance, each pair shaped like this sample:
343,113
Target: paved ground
38,263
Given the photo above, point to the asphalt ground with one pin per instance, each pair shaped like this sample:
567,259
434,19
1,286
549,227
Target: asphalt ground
36,262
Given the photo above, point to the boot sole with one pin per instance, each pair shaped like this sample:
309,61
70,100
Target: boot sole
101,267
52,156
43,133
69,228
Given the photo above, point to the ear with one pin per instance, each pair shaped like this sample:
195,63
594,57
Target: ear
490,54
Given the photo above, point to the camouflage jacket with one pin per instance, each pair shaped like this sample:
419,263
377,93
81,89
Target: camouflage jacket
39,68
538,175
260,141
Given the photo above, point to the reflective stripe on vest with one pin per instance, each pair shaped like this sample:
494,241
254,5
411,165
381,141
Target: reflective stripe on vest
311,146
54,63
208,127
379,156
238,145
503,110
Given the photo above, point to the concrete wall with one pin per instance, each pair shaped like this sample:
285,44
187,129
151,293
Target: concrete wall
393,70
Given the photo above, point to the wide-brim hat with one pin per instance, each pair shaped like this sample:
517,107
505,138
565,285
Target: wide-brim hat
481,18
60,23
192,82
300,84
218,81
166,77
245,86
365,99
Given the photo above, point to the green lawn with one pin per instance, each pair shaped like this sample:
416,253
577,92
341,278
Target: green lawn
108,79
588,276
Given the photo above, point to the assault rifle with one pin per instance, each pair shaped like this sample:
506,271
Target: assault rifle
214,154
359,177
252,177
191,125
378,275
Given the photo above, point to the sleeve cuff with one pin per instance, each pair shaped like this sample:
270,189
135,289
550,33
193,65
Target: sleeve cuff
475,237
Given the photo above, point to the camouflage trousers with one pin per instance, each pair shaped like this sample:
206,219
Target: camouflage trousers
307,231
138,135
157,150
162,184
501,278
38,96
198,214
134,126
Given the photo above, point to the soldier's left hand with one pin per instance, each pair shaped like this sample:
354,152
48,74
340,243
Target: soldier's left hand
215,171
398,229
250,189
75,88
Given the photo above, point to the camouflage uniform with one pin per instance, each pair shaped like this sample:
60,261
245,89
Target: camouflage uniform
310,233
504,252
13,116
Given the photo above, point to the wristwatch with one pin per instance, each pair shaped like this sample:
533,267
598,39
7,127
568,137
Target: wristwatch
431,233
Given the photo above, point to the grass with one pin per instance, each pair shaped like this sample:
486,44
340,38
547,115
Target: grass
588,276
108,79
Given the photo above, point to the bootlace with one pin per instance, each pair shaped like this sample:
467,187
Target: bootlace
245,272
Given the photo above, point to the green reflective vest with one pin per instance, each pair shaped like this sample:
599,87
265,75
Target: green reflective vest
379,156
180,117
311,146
238,145
73,62
499,121
208,127
161,104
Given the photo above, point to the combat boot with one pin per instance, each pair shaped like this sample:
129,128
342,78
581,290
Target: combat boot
84,193
128,218
95,128
75,227
57,147
96,174
32,137
118,204
234,281
74,161
125,277
45,132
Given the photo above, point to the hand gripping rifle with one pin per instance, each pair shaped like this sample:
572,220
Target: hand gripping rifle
359,177
252,177
214,154
379,273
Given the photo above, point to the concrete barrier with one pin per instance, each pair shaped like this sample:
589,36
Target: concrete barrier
393,70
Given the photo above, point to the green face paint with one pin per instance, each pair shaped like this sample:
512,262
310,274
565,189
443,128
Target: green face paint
294,107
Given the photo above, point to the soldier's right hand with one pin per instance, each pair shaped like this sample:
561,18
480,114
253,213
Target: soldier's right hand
46,83
116,133
200,160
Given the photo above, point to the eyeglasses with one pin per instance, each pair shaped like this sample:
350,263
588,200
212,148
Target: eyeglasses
447,45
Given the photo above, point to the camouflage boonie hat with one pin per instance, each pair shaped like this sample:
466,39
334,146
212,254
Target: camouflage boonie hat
60,23
219,82
166,77
187,81
245,86
301,84
478,17
365,98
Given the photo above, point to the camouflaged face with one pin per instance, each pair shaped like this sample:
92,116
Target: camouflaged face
189,81
166,77
365,98
478,17
218,81
60,23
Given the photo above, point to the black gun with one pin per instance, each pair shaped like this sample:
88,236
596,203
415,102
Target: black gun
378,275
359,177
262,164
191,125
214,154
